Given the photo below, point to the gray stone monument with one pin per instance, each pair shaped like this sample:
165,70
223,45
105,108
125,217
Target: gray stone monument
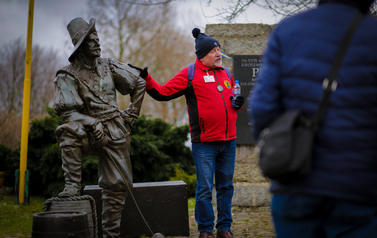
250,186
246,68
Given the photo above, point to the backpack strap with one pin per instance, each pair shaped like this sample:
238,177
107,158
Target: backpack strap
228,73
191,73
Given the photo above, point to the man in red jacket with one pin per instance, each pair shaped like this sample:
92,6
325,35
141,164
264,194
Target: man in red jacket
213,129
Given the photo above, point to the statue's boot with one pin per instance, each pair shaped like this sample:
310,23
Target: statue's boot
112,207
71,165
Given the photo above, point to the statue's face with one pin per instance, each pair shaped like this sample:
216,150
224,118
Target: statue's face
91,46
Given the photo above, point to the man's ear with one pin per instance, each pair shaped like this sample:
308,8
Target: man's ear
201,60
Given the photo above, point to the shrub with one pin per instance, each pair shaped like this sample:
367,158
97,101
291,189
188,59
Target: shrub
156,150
5,153
7,165
190,180
44,156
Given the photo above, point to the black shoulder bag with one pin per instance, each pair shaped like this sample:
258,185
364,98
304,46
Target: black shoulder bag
286,145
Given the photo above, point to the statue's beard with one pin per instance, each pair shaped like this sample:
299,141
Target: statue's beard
95,53
95,57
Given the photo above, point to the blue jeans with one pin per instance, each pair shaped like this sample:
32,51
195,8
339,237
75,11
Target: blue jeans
298,216
214,159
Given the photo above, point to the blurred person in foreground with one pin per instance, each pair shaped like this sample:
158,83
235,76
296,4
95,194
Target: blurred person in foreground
213,130
339,196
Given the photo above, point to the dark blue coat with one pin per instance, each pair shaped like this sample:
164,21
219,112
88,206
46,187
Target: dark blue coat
298,57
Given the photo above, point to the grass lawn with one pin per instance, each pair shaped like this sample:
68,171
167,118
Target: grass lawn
18,219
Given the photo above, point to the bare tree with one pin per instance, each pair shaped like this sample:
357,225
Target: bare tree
143,33
12,70
373,9
122,23
12,60
282,8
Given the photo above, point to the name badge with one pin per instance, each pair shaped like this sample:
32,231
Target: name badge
209,79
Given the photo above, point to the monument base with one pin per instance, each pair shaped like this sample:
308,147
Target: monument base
163,205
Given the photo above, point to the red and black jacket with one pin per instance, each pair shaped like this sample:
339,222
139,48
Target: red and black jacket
211,116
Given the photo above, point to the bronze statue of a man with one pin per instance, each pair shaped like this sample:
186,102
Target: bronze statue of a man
85,98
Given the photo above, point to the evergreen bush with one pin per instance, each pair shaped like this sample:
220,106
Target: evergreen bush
6,165
157,150
190,180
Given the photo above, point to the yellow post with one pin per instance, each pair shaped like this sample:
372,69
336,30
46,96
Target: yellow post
26,105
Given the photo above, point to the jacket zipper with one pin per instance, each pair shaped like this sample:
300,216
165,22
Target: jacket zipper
226,110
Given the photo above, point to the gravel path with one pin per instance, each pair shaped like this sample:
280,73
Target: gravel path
247,222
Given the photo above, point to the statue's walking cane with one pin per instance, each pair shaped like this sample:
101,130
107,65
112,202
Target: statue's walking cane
102,144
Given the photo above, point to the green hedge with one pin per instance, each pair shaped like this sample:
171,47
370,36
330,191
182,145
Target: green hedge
157,151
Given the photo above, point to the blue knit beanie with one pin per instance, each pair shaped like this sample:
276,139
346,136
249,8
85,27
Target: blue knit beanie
203,43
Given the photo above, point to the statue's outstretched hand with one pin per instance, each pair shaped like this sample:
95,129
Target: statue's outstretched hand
143,72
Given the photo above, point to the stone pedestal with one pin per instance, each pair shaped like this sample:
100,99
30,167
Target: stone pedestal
163,205
251,188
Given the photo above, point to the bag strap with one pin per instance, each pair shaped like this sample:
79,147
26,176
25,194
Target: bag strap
228,73
329,84
191,73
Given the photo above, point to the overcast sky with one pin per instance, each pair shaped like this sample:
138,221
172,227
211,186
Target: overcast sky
52,16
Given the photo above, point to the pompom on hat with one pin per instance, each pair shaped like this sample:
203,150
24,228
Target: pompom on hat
79,29
203,43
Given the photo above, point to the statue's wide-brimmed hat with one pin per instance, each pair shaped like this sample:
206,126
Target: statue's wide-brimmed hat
79,29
